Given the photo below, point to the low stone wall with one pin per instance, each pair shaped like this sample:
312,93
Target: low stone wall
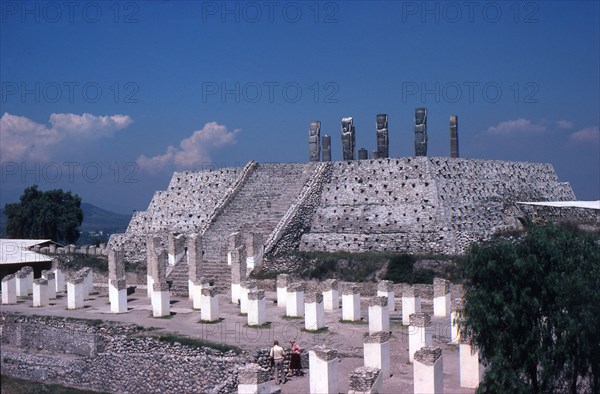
105,356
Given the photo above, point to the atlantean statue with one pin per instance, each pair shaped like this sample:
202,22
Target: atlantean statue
326,143
453,136
314,140
348,138
382,137
421,132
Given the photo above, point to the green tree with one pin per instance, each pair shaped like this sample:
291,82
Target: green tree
53,214
532,308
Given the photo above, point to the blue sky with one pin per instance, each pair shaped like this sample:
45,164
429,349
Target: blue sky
107,99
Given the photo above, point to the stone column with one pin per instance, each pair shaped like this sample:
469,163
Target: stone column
331,298
455,320
161,299
238,271
254,248
195,259
283,280
29,271
324,367
9,289
385,288
295,300
75,292
326,142
152,243
363,154
117,287
60,280
89,281
209,311
234,241
471,368
411,303
314,312
441,297
40,292
245,287
22,282
377,352
379,319
51,278
197,287
256,307
365,380
351,302
419,333
428,371
176,247
253,379
453,136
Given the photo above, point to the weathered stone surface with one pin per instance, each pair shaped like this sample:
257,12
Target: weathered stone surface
326,143
350,288
410,291
441,287
420,319
295,287
454,136
362,379
381,125
378,301
348,138
253,374
283,280
329,284
312,297
457,305
325,353
256,294
210,291
428,355
314,140
385,285
421,132
378,337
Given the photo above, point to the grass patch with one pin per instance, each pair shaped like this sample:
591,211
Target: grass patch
242,314
219,320
264,325
285,317
317,331
357,322
163,317
196,343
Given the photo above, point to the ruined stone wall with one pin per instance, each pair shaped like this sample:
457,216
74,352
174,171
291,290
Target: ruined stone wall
104,356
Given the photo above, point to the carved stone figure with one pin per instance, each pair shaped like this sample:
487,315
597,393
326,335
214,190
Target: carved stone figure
453,136
348,138
421,132
314,140
326,142
382,136
363,154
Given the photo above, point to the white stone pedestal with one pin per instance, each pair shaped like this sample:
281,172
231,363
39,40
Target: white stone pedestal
117,295
351,303
331,298
9,290
324,370
428,371
149,285
196,291
314,312
40,292
256,308
235,293
385,288
411,303
379,319
161,300
419,333
60,280
471,369
22,282
295,300
282,282
75,293
441,297
209,311
245,287
51,278
377,352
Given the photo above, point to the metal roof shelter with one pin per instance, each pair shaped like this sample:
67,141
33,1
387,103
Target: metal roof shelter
16,254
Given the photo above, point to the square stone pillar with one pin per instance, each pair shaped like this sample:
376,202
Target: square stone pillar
22,282
457,306
283,280
117,295
314,311
40,292
331,297
195,259
161,300
234,241
254,249
441,297
295,300
176,248
88,281
377,352
419,333
238,272
428,371
365,380
324,369
245,287
209,310
153,248
75,292
51,278
411,303
253,379
9,289
385,288
351,302
52,248
29,271
256,307
60,280
471,368
379,318
197,286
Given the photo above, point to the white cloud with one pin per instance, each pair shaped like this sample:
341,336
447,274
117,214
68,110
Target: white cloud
193,150
516,126
24,139
587,135
564,124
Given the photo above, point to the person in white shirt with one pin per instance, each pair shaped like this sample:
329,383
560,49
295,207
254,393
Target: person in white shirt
277,354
